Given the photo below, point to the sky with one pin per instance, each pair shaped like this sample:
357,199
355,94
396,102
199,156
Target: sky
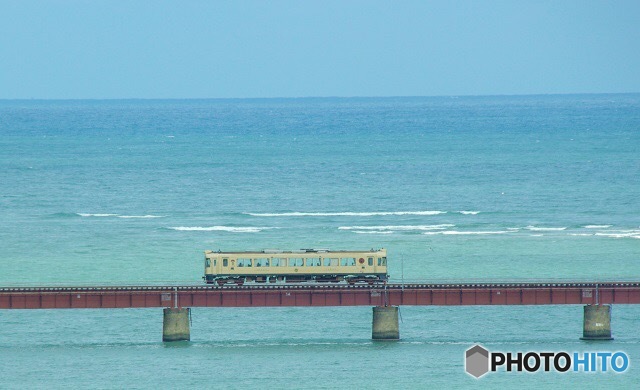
95,49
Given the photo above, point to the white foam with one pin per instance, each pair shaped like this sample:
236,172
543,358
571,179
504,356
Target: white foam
140,216
620,234
118,215
469,212
96,215
456,232
545,229
597,226
346,214
233,229
372,231
399,227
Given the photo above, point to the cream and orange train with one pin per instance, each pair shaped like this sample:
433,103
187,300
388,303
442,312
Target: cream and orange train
318,265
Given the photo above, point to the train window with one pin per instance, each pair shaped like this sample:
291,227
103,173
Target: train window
243,262
207,263
261,262
348,261
225,262
379,260
370,260
326,262
275,262
215,262
384,261
296,262
313,262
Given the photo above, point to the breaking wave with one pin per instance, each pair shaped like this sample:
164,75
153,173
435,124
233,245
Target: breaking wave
372,231
232,229
140,216
345,214
96,215
620,234
457,232
118,215
398,227
545,229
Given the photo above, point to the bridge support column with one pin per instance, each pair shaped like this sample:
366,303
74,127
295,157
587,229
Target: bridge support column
385,323
175,325
597,322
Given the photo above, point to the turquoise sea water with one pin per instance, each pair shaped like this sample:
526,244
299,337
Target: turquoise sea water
469,188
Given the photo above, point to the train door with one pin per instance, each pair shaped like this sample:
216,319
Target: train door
225,265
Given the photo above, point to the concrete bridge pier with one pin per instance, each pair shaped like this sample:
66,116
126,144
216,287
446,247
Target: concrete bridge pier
597,322
175,324
385,323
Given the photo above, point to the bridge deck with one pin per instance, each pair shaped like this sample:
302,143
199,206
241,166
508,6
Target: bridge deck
538,293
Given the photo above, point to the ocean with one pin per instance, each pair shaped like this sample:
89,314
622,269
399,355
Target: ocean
487,188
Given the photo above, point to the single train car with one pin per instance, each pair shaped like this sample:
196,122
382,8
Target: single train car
305,265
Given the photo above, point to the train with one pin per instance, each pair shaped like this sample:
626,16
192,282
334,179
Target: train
305,265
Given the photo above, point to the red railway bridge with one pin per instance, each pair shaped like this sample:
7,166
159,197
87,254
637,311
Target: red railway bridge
384,298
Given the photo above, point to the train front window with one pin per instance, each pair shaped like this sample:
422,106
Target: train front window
207,263
384,261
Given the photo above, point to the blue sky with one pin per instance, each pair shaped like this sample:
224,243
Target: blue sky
237,49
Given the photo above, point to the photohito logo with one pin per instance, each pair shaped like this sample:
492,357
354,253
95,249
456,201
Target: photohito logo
479,360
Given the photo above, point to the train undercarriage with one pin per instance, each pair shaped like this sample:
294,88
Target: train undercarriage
239,280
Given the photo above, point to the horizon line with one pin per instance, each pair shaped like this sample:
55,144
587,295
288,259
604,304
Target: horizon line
320,97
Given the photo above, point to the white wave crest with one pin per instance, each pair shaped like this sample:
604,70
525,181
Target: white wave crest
456,232
140,216
620,234
399,227
469,212
232,229
545,229
117,215
372,231
346,214
96,215
597,226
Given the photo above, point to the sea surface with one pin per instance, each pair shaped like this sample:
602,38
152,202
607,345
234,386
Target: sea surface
488,188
